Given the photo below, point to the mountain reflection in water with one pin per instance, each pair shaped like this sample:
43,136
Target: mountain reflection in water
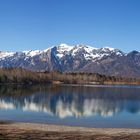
69,101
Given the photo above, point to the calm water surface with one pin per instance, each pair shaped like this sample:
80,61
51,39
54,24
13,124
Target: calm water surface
89,106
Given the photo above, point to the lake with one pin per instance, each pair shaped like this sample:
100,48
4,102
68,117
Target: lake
88,106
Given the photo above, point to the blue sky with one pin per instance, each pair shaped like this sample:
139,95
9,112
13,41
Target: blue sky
38,24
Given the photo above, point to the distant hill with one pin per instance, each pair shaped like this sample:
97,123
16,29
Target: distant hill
78,58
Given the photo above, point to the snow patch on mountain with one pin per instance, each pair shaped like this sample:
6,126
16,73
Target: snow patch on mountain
32,53
63,49
6,54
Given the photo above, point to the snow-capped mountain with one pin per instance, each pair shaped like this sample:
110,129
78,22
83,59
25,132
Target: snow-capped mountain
65,58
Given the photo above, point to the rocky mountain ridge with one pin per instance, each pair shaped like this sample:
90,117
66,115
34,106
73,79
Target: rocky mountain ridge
83,58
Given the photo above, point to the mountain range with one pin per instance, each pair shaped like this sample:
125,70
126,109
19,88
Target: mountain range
78,58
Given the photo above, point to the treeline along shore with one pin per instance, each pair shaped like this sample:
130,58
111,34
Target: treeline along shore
23,76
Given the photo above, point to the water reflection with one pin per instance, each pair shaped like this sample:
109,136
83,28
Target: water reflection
68,101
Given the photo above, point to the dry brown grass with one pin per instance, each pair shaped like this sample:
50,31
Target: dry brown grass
26,131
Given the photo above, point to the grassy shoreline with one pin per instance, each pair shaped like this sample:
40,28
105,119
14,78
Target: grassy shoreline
33,131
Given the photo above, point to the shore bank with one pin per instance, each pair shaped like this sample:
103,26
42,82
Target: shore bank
32,131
